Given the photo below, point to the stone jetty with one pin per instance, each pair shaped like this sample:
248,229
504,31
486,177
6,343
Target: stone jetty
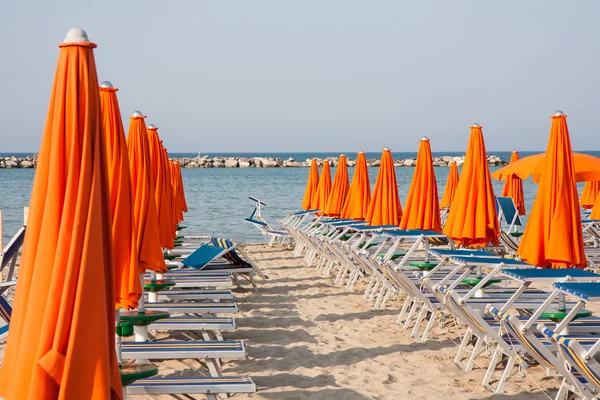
268,162
264,162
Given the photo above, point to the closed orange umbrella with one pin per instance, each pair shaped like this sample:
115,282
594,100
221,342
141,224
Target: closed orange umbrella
144,202
385,208
586,168
127,279
359,196
513,187
595,214
319,200
451,185
422,209
61,342
589,194
311,185
160,191
553,237
473,221
177,204
339,190
181,190
169,187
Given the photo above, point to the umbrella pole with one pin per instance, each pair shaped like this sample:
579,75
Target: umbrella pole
153,295
141,332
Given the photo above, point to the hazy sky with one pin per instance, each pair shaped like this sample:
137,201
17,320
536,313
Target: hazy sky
313,75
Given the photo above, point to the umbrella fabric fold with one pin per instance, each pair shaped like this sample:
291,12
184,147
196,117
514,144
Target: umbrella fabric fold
472,221
339,190
311,186
157,174
128,288
589,194
451,184
422,209
319,200
513,187
385,208
553,237
359,195
65,297
144,202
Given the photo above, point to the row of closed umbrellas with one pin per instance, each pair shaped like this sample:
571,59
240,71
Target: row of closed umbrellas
553,236
101,210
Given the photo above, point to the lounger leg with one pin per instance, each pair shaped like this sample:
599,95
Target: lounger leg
384,291
253,282
402,314
369,286
235,280
474,354
507,372
428,327
422,315
385,299
489,374
373,291
462,349
354,280
411,313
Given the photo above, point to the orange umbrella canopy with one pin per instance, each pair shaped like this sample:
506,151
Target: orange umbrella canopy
473,221
321,196
422,209
589,194
385,208
127,279
145,216
160,191
339,191
586,168
311,185
61,342
451,184
553,237
359,196
513,187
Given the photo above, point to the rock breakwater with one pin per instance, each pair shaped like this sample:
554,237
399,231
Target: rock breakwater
265,162
268,162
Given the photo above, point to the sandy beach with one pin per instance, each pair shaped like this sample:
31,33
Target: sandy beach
308,339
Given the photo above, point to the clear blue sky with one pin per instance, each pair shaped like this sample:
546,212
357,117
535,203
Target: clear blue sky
335,75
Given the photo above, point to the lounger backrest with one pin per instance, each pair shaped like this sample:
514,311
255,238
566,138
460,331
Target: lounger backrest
510,324
509,241
509,211
5,309
12,248
231,255
202,256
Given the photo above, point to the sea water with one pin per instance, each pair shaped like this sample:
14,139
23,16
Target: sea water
217,198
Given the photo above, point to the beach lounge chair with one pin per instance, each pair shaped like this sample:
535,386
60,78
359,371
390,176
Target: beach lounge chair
520,332
275,234
210,386
582,371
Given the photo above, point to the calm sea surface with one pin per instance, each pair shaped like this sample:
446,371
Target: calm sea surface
218,197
